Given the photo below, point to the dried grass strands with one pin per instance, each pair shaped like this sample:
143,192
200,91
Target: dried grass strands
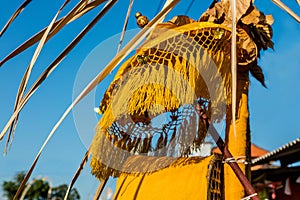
53,65
26,76
113,63
14,16
80,9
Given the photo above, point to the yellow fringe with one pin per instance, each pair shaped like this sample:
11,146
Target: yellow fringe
150,82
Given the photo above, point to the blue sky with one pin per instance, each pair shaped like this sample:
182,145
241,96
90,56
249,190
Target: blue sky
274,112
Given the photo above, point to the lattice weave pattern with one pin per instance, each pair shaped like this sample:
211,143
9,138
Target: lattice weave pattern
168,74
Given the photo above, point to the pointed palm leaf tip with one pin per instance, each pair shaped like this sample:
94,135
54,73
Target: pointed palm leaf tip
115,61
52,66
14,16
77,173
125,25
79,10
26,76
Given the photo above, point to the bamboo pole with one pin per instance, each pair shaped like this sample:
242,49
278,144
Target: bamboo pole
235,168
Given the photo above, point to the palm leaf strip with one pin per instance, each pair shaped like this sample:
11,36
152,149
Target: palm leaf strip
77,173
114,62
14,16
80,9
53,66
26,76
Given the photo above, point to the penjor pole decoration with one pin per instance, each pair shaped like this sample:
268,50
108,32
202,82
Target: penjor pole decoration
182,62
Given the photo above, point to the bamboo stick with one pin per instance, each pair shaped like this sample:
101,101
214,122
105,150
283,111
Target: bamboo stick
234,166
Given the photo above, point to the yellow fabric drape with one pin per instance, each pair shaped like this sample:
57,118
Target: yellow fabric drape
178,181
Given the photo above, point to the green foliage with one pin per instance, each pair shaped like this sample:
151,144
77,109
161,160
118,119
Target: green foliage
60,191
38,189
11,187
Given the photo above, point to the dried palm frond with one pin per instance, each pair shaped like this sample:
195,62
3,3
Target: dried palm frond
79,10
114,62
287,9
77,173
125,24
52,66
255,33
26,76
100,189
14,16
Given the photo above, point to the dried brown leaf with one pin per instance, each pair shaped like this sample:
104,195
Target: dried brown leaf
241,9
257,73
269,19
221,12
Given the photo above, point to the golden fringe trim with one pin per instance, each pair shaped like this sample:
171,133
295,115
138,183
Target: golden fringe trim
156,80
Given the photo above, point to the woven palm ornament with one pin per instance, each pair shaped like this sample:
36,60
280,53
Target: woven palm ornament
149,108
